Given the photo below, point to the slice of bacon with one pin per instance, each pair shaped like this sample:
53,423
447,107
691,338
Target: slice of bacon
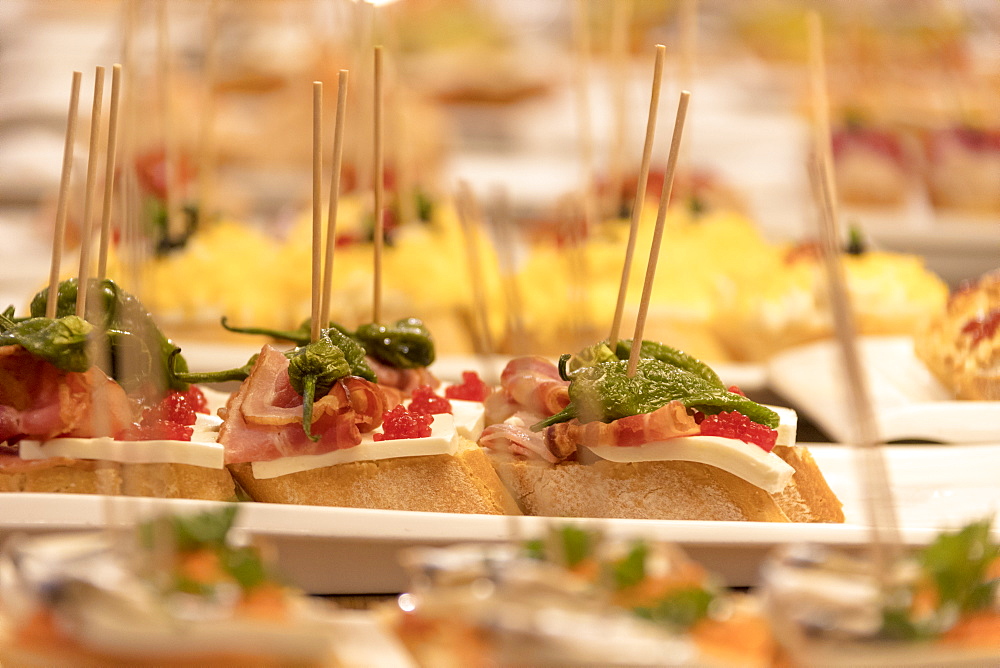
664,423
264,418
560,441
40,401
516,439
529,384
404,380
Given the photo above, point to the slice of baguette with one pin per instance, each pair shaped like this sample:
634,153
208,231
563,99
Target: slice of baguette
808,498
84,476
461,483
662,490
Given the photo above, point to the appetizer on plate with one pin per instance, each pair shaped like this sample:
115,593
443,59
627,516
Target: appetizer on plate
585,439
71,423
938,608
183,595
961,343
312,426
572,598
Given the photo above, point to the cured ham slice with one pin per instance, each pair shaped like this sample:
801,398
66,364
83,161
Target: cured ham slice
40,401
404,380
264,418
664,423
559,442
516,439
528,384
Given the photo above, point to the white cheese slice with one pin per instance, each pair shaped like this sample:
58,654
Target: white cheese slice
202,450
447,430
744,460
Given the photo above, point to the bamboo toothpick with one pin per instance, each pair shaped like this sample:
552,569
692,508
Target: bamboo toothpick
640,193
331,227
109,171
59,235
874,478
621,19
468,215
206,131
317,208
379,187
661,215
88,198
175,224
581,30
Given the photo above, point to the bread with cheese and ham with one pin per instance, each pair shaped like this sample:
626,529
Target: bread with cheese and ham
263,423
39,402
655,465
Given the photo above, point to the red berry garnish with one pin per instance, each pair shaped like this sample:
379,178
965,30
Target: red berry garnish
174,407
425,401
472,388
164,430
735,389
739,426
401,423
197,399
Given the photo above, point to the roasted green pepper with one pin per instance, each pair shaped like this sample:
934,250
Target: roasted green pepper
299,336
673,356
129,326
312,371
405,345
601,352
60,341
605,392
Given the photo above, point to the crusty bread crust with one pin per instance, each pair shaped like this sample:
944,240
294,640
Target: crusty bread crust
663,490
808,498
461,483
83,476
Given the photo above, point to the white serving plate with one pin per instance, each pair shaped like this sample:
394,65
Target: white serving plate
909,403
355,551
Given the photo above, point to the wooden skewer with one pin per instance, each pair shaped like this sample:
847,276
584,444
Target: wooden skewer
503,234
581,29
379,187
468,214
654,250
206,131
109,172
331,228
89,193
59,236
879,505
689,41
175,222
640,193
621,18
317,208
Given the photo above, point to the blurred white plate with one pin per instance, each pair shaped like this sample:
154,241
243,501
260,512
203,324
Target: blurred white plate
909,403
355,551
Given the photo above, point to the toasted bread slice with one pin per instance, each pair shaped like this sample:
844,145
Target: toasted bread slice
663,490
808,498
461,483
85,476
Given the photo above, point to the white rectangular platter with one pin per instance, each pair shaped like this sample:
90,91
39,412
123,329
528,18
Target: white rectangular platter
354,551
909,402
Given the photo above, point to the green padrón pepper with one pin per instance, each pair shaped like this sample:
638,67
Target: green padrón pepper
121,312
60,341
604,392
312,371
